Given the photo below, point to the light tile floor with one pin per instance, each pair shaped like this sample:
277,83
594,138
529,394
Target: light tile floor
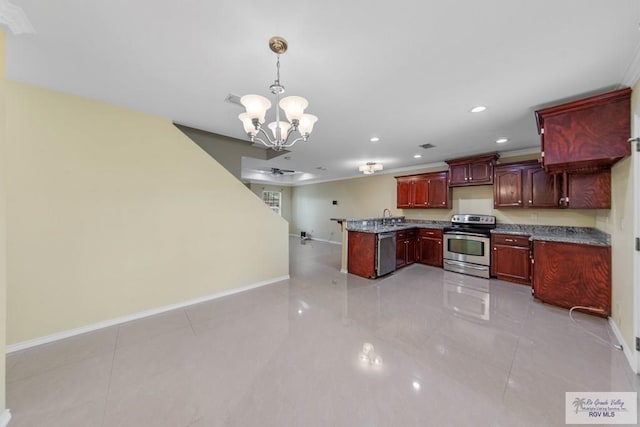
287,354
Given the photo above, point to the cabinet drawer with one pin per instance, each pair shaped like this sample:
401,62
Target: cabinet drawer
510,240
411,234
430,232
401,235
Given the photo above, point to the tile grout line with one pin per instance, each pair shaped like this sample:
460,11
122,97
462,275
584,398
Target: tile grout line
54,367
190,323
513,359
113,361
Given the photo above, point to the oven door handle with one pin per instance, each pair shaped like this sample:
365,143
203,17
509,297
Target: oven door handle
464,233
480,267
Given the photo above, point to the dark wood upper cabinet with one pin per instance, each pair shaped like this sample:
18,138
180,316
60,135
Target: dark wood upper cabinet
586,134
587,190
428,190
507,186
475,170
542,189
525,184
403,192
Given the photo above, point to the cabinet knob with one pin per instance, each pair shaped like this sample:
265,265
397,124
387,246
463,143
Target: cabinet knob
530,202
495,249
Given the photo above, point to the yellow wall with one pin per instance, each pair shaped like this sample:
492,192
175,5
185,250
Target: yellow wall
368,196
112,212
619,223
3,253
285,203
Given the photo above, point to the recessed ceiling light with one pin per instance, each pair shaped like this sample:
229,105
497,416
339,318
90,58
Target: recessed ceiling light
478,109
374,139
417,156
501,140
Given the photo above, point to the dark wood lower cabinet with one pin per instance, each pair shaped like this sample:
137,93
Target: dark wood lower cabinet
510,258
361,254
429,250
405,247
570,274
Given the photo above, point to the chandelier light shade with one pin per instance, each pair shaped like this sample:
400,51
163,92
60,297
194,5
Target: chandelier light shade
285,133
370,168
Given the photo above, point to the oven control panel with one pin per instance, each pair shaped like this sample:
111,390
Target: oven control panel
473,219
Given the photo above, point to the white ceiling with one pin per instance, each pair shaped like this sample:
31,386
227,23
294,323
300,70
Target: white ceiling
406,71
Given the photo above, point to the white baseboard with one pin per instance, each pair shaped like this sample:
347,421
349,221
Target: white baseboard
626,349
4,418
119,320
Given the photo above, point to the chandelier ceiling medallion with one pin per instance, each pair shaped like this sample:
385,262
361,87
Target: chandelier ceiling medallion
293,106
370,168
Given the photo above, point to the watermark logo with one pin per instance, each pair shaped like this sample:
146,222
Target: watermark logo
601,407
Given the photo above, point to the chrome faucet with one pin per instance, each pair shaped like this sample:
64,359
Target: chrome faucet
385,211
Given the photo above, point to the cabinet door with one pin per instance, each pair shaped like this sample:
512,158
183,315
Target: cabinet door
507,188
401,249
570,274
589,190
430,250
542,189
411,245
438,192
511,263
403,192
587,132
419,192
411,251
361,254
458,174
481,172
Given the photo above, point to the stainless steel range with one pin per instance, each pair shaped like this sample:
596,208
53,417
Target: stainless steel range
467,244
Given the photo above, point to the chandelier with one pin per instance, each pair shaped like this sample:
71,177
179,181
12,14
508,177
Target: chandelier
293,106
370,168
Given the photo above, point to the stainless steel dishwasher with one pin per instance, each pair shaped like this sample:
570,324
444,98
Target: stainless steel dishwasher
385,253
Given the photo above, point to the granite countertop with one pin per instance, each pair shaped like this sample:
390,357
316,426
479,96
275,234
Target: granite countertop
552,233
582,235
357,225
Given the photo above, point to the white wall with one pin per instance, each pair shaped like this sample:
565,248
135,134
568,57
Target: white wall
3,238
112,212
618,222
